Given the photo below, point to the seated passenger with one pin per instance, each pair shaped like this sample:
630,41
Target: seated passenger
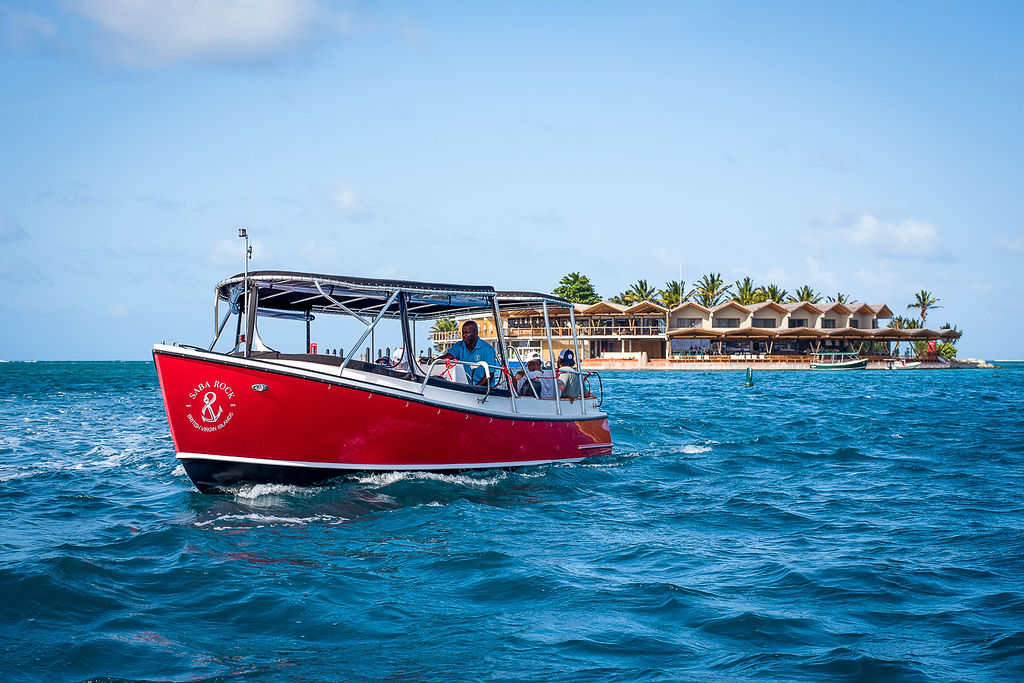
398,360
534,374
568,382
473,349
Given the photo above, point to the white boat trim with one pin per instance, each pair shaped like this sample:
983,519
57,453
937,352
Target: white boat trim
372,466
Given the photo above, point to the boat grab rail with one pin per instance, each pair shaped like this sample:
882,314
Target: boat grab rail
584,381
522,364
193,347
449,364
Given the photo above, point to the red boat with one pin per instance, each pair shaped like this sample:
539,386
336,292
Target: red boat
255,414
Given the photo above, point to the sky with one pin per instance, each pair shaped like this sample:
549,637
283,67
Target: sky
869,148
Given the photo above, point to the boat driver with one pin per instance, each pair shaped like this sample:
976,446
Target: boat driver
473,349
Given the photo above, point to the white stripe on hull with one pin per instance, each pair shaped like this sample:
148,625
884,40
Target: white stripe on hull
373,466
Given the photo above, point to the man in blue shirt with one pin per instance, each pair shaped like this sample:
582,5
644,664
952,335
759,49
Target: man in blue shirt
473,349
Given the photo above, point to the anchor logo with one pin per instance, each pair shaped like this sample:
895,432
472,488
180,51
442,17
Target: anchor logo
208,414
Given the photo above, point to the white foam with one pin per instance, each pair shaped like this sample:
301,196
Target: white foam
258,520
257,490
694,448
388,478
374,497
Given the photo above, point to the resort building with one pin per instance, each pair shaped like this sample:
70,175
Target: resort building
651,331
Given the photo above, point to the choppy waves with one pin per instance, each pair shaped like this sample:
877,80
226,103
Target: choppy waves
849,526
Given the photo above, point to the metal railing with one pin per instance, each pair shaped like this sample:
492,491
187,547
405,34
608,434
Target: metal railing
584,384
522,364
589,331
451,364
564,332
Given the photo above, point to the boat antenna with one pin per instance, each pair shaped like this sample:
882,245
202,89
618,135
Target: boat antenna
246,257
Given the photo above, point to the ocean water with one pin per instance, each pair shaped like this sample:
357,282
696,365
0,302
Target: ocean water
817,526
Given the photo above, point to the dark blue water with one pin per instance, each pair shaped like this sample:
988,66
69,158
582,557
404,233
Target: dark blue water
821,526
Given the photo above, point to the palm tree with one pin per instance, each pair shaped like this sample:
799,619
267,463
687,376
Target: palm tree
898,322
775,293
805,293
840,298
672,294
710,290
439,328
747,293
924,301
640,291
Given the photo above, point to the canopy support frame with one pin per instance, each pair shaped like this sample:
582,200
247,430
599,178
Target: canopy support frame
368,330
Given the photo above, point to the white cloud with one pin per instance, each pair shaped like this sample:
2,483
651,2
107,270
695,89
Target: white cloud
981,287
550,217
346,200
909,239
776,275
23,272
666,260
20,29
319,257
1015,244
836,162
817,274
10,232
882,275
413,35
153,33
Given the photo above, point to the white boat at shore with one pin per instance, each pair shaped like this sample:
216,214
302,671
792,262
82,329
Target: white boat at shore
901,364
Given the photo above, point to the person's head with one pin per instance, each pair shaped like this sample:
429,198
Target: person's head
566,357
534,362
470,332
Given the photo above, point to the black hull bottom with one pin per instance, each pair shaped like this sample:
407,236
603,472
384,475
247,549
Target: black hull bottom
213,476
217,476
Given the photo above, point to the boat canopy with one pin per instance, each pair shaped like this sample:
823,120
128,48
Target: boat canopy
519,301
302,294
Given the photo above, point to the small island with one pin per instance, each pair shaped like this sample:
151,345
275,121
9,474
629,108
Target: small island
719,326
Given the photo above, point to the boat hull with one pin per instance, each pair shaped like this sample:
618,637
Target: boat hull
903,365
846,365
236,420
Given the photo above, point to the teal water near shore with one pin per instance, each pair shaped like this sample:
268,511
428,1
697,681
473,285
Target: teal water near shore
815,526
